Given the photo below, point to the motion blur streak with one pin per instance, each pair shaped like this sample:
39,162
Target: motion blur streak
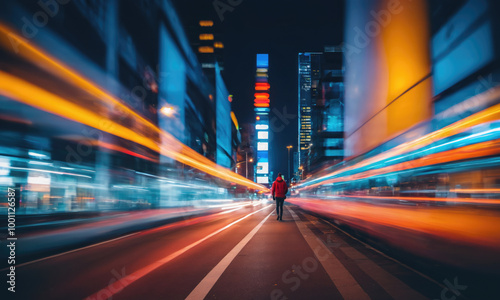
126,281
429,199
472,151
487,115
399,225
23,91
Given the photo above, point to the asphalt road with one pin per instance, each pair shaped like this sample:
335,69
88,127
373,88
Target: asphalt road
242,254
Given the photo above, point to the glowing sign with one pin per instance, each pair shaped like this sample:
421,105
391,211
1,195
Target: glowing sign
262,179
262,168
261,100
261,126
263,146
261,95
261,104
262,60
262,86
262,135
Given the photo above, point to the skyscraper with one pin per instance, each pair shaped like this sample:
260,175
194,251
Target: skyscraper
327,139
321,109
261,104
309,76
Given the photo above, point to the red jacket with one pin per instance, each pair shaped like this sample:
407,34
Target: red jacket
279,188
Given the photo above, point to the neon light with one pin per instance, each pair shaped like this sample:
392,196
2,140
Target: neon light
262,60
262,86
261,105
262,95
235,121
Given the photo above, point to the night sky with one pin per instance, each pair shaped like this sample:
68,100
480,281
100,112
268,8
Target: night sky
282,29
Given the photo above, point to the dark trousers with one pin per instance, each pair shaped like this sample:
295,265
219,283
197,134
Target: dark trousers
279,206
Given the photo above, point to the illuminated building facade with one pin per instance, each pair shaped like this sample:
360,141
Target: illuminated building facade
261,104
327,138
134,70
309,77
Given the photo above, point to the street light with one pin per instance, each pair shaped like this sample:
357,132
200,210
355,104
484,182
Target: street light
168,111
246,163
289,147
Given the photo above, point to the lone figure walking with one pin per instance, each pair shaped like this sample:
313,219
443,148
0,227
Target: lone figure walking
279,191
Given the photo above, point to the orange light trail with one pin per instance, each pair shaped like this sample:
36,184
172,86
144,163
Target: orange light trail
487,115
428,199
23,91
406,227
442,222
467,152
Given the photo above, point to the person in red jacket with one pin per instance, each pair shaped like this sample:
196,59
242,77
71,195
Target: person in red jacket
279,191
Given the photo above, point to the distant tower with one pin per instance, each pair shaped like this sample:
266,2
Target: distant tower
309,76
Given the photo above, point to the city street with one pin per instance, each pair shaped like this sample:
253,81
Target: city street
246,254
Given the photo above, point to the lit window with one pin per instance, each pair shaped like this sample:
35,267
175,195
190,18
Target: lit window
206,49
206,37
206,23
219,45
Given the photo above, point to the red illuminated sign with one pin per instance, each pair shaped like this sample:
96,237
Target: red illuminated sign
262,86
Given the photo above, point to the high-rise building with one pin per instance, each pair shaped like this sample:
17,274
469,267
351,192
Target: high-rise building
309,77
321,109
327,139
261,104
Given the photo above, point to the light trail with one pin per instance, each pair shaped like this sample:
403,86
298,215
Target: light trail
467,152
23,91
487,115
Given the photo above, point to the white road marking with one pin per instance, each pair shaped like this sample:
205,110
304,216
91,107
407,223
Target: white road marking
341,278
127,280
202,289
